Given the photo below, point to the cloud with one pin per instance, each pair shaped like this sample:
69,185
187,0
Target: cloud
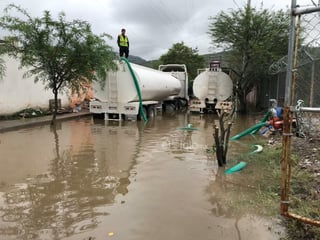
153,26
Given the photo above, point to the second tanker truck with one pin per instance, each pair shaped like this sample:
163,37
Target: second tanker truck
212,90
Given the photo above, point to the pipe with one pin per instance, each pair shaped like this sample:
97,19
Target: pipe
287,98
310,109
264,119
302,219
236,168
249,130
258,149
136,83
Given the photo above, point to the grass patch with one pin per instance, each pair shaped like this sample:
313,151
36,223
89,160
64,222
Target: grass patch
256,189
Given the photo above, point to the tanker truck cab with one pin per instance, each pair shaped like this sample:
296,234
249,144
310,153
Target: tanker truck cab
180,100
178,71
212,90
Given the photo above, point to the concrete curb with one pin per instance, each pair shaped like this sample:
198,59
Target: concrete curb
11,125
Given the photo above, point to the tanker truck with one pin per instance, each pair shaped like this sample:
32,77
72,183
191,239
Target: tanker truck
132,92
212,90
180,72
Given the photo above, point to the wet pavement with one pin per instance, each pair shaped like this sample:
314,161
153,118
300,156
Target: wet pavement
92,179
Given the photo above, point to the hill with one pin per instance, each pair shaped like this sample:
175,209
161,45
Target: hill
221,56
139,60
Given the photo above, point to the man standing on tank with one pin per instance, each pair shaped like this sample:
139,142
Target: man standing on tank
123,43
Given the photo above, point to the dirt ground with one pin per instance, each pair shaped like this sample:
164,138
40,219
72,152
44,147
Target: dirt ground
305,143
307,151
307,148
305,176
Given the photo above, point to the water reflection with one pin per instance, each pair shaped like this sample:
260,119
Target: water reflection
81,179
140,180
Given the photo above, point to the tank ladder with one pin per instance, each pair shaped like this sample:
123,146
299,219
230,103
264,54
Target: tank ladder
113,87
212,86
113,94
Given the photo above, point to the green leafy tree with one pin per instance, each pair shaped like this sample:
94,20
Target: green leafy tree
181,54
2,63
155,63
254,39
63,55
2,68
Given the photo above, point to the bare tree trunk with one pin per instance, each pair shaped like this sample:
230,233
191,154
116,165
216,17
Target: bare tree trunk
226,141
218,151
222,139
55,110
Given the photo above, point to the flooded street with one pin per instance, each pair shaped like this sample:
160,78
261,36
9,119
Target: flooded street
92,179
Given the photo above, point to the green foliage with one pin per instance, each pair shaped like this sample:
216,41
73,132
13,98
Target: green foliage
63,55
2,62
255,38
181,54
155,64
2,68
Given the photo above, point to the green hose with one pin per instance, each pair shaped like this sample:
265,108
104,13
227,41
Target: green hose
136,83
264,119
236,168
249,130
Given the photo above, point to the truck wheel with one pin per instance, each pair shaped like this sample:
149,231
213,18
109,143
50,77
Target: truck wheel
151,112
140,114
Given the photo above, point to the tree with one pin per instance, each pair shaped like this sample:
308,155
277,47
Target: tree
255,39
181,54
2,68
2,63
221,135
63,55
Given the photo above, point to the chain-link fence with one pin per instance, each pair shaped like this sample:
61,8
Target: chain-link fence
299,75
307,83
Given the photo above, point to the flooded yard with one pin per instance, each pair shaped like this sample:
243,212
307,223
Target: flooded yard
92,179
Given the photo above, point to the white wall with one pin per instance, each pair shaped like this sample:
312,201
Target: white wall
18,93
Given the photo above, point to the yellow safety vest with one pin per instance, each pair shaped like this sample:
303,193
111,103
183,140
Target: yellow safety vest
123,41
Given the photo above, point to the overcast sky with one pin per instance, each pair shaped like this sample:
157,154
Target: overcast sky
153,26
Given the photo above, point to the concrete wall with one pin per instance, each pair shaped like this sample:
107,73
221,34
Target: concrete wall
18,93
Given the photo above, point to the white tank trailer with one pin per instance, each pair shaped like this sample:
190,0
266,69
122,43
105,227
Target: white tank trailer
212,89
130,87
180,72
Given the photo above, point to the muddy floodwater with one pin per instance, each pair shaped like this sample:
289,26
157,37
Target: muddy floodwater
92,179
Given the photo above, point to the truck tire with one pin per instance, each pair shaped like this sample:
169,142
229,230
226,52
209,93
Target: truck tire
152,112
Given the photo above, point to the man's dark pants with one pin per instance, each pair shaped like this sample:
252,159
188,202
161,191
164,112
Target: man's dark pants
125,51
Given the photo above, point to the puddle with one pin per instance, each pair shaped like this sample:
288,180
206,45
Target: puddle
100,180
